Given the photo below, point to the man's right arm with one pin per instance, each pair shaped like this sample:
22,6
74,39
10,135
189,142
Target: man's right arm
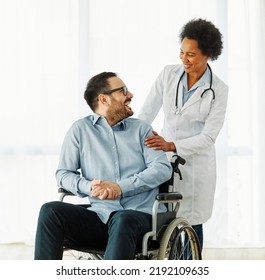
68,175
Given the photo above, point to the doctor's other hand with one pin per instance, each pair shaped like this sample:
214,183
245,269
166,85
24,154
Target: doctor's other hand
157,142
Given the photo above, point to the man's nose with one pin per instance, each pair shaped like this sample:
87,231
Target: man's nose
129,94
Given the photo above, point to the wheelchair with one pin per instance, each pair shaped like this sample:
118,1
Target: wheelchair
171,237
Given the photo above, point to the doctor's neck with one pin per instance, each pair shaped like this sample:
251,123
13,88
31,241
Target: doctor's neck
195,76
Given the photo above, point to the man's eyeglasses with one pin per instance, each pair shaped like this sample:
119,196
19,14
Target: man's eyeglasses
123,89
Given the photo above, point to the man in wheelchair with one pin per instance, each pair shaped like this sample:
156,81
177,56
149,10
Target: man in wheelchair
104,158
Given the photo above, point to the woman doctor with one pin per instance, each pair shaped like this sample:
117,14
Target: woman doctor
194,103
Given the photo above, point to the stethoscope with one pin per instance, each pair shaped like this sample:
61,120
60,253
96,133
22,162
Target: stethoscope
208,89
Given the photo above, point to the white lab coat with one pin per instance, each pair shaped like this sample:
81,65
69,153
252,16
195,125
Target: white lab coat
193,130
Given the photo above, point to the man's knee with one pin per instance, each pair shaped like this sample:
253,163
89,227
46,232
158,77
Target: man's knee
122,218
126,219
48,210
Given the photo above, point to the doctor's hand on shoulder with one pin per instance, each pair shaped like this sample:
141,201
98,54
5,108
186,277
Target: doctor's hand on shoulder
157,142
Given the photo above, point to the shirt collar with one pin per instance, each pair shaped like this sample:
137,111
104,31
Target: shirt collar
118,126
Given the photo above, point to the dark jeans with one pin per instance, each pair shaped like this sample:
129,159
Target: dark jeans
59,221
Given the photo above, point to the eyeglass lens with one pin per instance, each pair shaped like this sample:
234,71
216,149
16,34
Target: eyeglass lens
124,91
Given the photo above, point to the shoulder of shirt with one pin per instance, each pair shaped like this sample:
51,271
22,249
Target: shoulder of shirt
84,121
90,119
129,122
136,122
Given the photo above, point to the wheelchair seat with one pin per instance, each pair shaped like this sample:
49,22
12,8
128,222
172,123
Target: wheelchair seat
171,237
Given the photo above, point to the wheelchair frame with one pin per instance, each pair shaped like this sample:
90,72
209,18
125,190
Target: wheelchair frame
171,237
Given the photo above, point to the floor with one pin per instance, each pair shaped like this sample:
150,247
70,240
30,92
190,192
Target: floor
24,252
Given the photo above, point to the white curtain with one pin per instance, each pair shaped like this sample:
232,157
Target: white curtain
39,54
49,49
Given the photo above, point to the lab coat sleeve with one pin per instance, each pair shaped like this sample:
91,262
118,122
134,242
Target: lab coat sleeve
153,101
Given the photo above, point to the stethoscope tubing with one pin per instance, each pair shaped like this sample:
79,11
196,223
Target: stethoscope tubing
210,87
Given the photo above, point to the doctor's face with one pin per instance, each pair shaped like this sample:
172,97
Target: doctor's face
192,58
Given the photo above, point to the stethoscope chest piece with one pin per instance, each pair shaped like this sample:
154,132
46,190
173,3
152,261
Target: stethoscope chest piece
177,111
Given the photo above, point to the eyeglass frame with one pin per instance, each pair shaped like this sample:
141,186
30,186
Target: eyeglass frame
124,90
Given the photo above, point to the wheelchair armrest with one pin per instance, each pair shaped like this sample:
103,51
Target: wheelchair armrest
64,193
169,196
61,190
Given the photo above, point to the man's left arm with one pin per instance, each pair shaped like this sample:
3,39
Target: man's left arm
158,170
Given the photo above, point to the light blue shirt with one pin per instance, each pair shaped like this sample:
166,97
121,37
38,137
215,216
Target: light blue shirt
94,150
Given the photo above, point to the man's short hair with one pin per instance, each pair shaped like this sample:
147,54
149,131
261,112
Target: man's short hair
96,85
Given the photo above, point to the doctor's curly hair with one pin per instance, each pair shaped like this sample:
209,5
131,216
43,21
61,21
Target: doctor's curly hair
206,34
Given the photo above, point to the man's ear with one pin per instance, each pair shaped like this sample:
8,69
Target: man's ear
103,99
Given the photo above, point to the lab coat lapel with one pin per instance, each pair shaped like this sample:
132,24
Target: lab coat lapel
195,97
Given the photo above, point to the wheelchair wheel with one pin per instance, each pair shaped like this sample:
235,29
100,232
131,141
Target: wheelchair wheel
179,242
80,255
